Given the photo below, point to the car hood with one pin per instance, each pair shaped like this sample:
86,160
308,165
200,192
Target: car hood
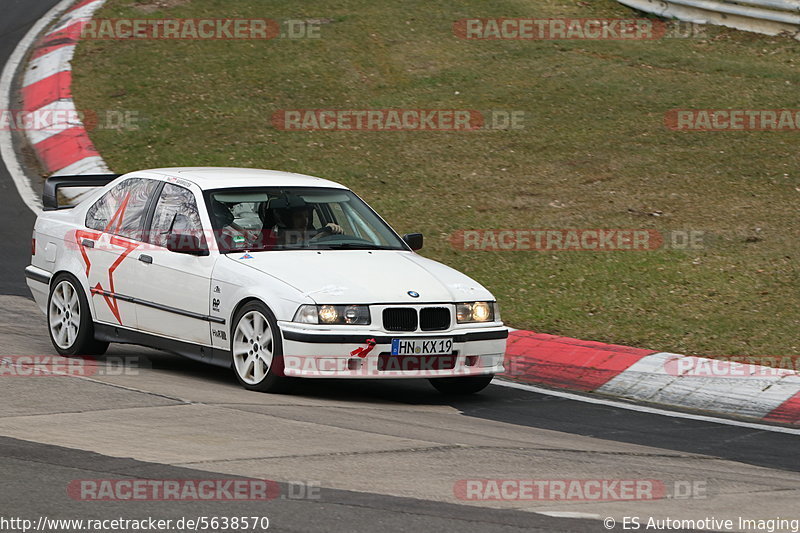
361,276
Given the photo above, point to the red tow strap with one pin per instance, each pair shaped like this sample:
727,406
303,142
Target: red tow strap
362,352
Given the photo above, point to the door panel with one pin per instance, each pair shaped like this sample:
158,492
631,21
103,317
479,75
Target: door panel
173,288
114,231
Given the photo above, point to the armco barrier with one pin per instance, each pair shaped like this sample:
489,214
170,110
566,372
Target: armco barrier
771,17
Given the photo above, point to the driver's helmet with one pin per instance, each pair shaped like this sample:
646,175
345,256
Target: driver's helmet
285,205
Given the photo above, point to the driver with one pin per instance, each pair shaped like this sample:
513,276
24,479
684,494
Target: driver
293,216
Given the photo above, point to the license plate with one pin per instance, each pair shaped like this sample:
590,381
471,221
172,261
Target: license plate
422,346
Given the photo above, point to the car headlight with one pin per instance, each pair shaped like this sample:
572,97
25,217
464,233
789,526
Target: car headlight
468,312
333,314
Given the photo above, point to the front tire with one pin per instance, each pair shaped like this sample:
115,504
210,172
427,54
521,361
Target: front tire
69,319
257,349
461,385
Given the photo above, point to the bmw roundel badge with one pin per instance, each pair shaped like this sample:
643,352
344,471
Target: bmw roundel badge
413,294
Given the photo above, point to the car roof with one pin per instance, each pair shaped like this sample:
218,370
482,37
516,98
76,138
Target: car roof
229,177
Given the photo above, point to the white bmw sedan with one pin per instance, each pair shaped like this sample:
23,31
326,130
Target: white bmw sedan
276,275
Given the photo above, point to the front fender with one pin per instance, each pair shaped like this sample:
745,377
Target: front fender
233,283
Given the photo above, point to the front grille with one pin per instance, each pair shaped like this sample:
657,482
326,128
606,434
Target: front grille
434,318
400,319
416,363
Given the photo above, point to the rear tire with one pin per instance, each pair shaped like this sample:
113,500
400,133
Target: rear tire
69,319
257,349
461,385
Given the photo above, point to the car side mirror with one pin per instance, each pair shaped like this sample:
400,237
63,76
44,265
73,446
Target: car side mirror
184,243
413,240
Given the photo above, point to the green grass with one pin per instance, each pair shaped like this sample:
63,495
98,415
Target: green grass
594,152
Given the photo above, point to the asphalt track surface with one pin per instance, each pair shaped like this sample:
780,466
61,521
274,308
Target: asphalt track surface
386,454
16,219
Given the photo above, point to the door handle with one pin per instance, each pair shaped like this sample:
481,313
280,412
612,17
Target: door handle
146,259
87,243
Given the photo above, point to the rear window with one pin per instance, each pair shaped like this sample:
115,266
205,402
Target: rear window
122,210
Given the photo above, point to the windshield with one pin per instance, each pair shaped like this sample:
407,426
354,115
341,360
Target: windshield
293,218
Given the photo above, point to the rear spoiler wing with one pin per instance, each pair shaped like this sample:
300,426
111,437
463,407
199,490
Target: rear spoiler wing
53,184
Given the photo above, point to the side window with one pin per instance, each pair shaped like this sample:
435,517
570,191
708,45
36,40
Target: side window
176,212
121,210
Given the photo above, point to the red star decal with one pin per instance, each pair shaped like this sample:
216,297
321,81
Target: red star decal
112,227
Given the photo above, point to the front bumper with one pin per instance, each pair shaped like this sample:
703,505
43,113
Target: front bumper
315,353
